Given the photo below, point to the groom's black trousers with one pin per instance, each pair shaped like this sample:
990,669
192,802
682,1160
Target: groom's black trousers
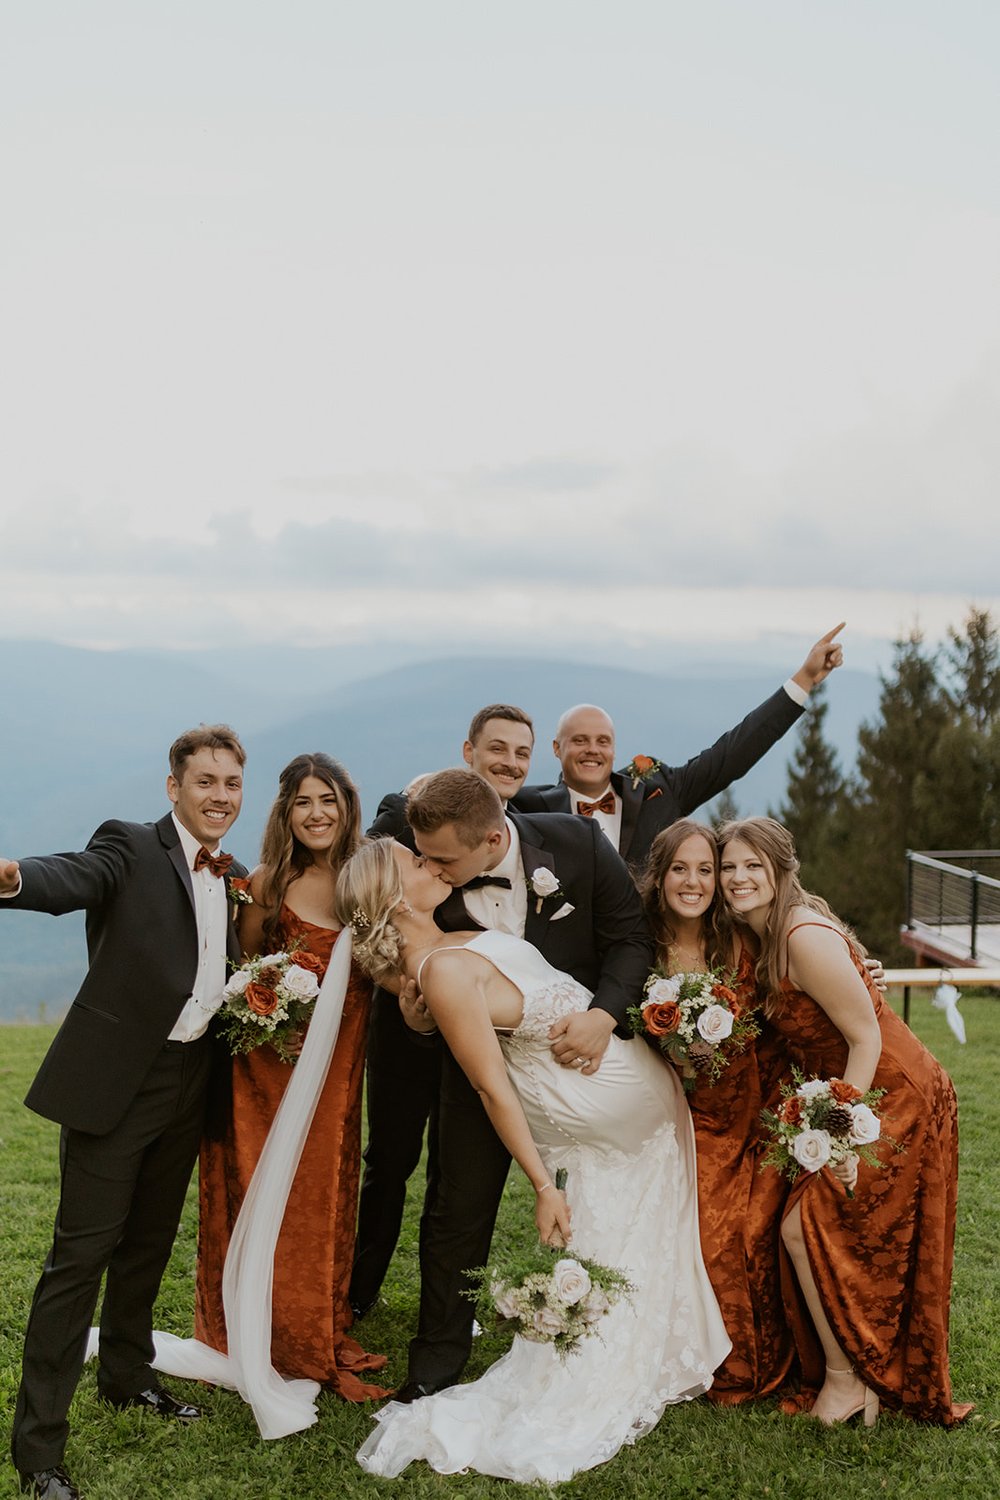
403,1087
120,1201
457,1227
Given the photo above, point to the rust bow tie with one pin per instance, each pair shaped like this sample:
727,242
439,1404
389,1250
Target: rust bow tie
605,805
217,863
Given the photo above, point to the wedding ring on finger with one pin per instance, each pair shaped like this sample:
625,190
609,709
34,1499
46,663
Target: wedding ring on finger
581,1062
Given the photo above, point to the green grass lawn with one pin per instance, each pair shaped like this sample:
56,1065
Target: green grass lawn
697,1450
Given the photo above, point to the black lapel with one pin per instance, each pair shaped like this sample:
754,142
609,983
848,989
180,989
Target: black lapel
632,800
170,839
557,798
535,857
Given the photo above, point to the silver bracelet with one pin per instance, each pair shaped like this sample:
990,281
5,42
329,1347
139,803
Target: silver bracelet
543,1187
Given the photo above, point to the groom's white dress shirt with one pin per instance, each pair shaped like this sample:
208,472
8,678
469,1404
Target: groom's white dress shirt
491,905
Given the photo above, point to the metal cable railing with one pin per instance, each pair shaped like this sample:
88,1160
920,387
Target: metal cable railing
954,889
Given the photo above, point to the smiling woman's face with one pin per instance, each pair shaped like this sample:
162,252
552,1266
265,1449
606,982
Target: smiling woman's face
747,879
688,887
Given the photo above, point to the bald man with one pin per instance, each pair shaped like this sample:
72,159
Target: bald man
633,804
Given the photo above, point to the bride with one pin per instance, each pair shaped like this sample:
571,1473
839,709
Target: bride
623,1133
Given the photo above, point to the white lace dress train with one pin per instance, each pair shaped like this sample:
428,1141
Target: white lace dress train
624,1136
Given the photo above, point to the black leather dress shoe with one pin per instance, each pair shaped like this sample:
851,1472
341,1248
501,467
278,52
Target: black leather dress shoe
159,1401
48,1484
362,1309
414,1389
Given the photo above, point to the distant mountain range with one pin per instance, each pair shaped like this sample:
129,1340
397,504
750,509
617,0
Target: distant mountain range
86,733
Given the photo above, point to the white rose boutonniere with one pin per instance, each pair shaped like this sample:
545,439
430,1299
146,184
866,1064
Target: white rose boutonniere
544,885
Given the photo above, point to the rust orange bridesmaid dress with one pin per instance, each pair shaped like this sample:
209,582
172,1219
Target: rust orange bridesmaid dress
882,1261
310,1314
739,1212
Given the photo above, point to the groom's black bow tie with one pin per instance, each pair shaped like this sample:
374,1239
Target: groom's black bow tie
478,881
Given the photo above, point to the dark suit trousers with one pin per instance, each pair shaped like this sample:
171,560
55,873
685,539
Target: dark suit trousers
404,1073
120,1202
457,1227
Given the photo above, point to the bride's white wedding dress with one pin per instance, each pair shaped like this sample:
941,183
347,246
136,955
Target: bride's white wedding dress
624,1136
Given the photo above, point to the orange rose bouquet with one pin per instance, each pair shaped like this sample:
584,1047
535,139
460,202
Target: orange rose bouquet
269,999
696,1021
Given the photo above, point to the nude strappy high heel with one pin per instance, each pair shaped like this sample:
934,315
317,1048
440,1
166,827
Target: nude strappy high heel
867,1403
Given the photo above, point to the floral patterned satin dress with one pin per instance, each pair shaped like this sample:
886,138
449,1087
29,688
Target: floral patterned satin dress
882,1261
312,1262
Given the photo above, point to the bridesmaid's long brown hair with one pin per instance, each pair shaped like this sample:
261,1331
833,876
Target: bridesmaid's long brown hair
661,856
283,859
772,843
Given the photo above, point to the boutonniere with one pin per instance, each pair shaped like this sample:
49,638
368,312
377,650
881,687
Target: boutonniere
641,768
239,890
544,886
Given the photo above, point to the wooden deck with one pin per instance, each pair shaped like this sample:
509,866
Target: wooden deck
951,944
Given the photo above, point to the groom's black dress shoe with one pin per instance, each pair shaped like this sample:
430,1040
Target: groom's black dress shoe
158,1401
414,1389
47,1484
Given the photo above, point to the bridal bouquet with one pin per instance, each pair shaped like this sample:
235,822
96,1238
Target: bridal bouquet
269,999
546,1299
547,1296
695,1020
821,1121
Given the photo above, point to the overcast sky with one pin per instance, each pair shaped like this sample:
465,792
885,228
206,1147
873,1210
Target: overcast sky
530,321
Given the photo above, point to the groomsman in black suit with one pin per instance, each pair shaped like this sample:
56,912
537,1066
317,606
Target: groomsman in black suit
632,805
557,882
126,1078
404,1078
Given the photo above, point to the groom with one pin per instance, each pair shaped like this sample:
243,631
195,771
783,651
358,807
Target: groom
557,882
126,1078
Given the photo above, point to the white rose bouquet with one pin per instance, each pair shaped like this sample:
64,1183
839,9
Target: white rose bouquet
821,1121
695,1019
269,999
547,1296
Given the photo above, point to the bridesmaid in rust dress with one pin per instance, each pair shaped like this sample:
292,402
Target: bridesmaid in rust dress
867,1280
312,828
739,1207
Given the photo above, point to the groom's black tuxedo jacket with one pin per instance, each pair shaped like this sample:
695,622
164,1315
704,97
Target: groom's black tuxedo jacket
134,882
673,792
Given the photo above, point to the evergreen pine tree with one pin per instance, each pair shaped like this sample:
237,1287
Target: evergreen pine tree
812,800
966,758
885,809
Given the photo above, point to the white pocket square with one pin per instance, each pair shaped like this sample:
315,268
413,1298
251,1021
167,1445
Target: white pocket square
563,911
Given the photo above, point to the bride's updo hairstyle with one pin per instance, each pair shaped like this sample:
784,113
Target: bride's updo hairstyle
775,847
369,889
